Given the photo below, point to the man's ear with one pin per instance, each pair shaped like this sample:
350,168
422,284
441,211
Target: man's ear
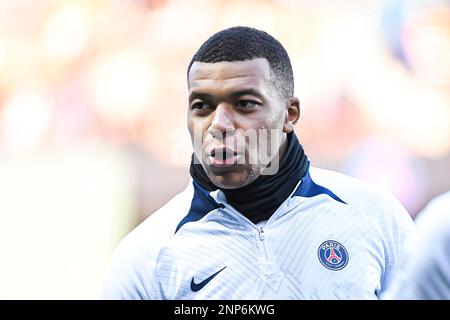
292,114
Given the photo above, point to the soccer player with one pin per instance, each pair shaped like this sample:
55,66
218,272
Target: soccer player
425,271
257,221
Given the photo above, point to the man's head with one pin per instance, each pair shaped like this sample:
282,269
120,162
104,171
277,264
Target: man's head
241,104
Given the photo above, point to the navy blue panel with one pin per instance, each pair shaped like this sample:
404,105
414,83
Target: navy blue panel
308,188
201,204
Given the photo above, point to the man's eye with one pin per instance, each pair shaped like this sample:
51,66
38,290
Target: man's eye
247,104
200,106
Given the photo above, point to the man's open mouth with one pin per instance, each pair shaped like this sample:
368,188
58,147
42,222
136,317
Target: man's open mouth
220,157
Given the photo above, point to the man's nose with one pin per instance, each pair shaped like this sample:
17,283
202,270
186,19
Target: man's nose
223,122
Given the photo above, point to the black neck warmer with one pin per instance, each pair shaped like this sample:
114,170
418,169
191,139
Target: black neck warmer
259,199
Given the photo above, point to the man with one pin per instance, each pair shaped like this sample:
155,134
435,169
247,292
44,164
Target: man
257,222
426,267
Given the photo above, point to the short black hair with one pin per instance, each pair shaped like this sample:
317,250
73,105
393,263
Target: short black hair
244,43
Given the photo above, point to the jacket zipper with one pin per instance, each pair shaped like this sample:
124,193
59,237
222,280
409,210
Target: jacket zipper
262,237
261,234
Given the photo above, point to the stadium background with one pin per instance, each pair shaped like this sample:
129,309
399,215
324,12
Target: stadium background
93,104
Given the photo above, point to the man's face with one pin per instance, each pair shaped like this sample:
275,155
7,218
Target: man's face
231,104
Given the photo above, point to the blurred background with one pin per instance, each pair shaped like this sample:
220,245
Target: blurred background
93,101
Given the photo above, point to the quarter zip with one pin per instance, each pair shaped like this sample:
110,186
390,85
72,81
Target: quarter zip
267,268
261,234
219,197
262,237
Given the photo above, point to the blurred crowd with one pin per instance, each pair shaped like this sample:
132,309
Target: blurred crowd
93,101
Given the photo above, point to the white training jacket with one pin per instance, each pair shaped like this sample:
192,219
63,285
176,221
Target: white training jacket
335,237
425,269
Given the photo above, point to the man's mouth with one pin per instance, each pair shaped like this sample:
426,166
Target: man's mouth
223,157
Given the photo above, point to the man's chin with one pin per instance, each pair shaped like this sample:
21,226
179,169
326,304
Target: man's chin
229,179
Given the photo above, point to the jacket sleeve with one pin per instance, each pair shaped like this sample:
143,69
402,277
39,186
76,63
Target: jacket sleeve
425,272
128,274
397,227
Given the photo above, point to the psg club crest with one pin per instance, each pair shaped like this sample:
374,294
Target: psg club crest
333,255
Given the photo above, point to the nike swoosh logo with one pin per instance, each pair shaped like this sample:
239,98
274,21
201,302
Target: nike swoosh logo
197,286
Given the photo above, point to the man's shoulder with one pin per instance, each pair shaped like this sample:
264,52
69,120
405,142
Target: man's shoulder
161,224
134,259
350,189
374,200
437,209
435,217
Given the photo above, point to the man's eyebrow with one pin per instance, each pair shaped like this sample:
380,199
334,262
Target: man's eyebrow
200,95
236,94
250,92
